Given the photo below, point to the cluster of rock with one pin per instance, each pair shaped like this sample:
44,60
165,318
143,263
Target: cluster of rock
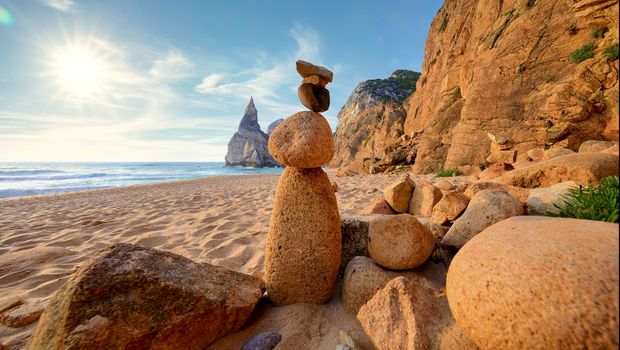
302,252
370,135
248,146
522,274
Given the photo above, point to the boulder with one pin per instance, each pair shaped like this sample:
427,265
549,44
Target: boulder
596,146
303,140
424,198
248,146
557,152
354,239
485,208
262,341
306,69
130,296
398,194
546,283
407,315
363,278
399,242
536,154
507,156
451,205
314,97
495,170
518,193
444,185
583,168
546,200
380,206
303,248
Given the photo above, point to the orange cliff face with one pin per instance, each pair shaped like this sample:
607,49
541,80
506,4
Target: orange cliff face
504,67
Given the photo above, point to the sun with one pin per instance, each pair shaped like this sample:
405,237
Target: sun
78,70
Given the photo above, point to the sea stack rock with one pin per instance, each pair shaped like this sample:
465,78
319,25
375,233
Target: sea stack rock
303,248
248,146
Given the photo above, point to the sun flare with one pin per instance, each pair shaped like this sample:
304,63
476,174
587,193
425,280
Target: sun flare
78,70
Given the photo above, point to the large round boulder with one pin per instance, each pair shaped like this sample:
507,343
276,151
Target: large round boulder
534,282
303,140
399,242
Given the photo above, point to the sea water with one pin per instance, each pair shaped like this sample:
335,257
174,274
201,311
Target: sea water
25,179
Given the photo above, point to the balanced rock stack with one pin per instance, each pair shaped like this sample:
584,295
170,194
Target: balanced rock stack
302,253
312,92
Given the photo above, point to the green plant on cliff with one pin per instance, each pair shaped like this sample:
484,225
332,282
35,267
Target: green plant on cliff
593,203
611,52
457,94
598,33
448,173
582,53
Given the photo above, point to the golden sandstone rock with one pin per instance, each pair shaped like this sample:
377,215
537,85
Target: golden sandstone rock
398,194
302,253
303,140
534,282
399,242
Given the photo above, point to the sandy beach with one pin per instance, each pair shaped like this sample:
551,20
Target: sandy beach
219,220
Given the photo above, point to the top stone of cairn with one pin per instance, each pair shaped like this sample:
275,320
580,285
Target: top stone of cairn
306,69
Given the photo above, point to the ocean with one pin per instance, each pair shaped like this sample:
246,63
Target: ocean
26,179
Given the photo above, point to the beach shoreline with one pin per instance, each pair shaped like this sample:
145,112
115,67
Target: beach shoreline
222,220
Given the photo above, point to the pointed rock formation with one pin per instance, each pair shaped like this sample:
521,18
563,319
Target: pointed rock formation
248,146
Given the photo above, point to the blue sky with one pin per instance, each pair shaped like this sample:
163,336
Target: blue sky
148,80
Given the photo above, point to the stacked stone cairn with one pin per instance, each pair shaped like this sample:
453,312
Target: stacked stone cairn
302,253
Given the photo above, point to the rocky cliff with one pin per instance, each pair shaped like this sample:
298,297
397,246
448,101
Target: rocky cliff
540,73
248,146
371,120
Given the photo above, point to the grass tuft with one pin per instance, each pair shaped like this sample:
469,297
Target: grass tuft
448,173
598,33
582,53
598,203
457,94
611,52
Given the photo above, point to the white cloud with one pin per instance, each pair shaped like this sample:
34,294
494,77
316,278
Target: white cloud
209,82
174,65
308,43
61,5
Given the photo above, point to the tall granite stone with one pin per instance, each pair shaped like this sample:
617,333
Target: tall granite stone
248,146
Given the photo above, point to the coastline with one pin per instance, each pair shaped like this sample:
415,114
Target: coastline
222,220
